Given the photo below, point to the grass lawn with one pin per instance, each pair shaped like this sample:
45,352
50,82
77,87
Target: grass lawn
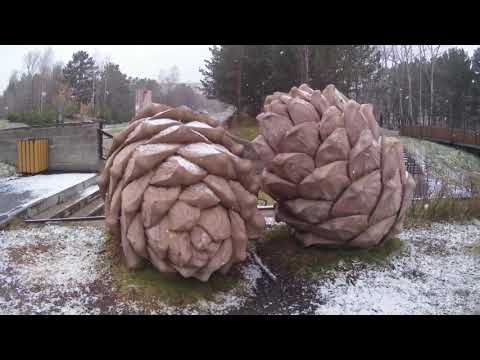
115,128
5,124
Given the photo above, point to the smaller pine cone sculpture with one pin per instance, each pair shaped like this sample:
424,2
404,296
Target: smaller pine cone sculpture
336,180
178,193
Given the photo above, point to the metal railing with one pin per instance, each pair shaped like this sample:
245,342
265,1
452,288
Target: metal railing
104,142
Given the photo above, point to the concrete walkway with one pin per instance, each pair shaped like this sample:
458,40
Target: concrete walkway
18,193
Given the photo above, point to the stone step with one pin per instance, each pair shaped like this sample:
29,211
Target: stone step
70,206
46,204
94,208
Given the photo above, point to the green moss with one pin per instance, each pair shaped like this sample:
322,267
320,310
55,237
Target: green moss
147,284
171,288
283,254
246,132
278,233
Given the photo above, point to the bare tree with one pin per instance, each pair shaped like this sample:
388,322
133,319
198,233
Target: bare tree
422,57
168,78
433,51
307,73
31,61
395,59
406,55
45,64
385,56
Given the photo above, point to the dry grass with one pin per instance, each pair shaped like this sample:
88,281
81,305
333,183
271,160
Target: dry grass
243,126
442,209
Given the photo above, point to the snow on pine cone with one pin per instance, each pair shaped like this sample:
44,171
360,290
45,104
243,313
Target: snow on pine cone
336,180
178,193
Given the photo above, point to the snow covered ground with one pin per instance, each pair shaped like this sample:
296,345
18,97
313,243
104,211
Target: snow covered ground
437,273
453,172
17,192
56,269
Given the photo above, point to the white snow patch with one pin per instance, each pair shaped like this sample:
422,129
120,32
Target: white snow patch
89,190
198,124
224,150
169,130
155,148
51,280
436,275
202,149
60,270
42,186
161,122
187,165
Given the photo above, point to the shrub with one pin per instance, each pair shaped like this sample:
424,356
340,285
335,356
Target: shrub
34,118
70,110
13,117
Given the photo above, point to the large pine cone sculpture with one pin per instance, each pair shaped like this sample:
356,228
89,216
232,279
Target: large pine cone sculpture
178,193
336,180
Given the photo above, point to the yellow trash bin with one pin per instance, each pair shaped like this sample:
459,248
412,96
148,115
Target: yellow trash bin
32,156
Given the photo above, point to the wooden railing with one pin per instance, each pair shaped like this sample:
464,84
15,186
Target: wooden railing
461,137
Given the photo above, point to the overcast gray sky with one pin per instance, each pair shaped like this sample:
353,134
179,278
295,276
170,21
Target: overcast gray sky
134,60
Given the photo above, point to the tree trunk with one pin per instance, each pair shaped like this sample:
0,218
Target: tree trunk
431,90
408,50
400,94
307,73
238,78
420,90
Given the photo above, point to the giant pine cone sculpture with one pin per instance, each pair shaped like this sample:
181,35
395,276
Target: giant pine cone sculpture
178,194
336,180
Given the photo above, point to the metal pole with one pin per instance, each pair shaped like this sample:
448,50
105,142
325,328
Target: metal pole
83,218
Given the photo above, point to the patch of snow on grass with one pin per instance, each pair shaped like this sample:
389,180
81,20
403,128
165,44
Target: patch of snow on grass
56,269
434,275
44,270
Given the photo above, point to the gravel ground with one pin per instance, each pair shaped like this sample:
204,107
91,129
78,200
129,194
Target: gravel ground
55,269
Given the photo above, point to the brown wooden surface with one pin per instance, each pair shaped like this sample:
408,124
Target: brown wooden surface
454,136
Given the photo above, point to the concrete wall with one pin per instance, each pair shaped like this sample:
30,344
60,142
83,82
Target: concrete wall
71,147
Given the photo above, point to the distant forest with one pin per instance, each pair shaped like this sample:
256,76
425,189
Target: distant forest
47,88
407,84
